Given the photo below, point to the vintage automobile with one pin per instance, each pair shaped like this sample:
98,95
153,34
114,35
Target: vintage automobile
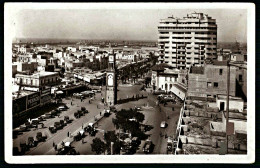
52,129
107,112
40,137
31,142
66,149
63,108
163,124
57,125
171,144
91,129
67,119
148,146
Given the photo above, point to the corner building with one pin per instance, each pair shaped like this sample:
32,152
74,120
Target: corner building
187,41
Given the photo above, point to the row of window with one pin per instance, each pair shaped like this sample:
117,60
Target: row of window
207,33
181,37
215,84
209,28
205,43
204,38
210,23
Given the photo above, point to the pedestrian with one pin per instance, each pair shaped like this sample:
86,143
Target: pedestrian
71,103
82,140
53,144
89,102
68,134
100,113
55,147
82,125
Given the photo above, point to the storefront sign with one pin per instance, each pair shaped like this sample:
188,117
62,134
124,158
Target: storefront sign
33,100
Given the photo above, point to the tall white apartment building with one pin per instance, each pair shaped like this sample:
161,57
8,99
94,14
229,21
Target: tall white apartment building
187,41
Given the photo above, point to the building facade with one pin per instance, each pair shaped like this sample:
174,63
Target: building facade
38,79
211,80
187,41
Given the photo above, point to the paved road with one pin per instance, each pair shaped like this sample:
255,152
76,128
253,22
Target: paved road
151,110
105,124
43,148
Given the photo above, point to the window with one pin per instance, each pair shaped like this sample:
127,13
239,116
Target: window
240,78
220,71
216,84
209,84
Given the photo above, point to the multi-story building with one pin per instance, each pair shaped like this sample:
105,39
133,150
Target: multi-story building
211,80
187,41
38,79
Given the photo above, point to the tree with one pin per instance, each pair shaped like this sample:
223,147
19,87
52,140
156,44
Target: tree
110,136
98,146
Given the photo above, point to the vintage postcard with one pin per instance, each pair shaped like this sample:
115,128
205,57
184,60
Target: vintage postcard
129,82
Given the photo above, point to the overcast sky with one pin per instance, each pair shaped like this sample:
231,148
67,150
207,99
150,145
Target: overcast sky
119,24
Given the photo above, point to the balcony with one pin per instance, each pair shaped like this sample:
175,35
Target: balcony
163,40
181,65
182,50
181,60
205,35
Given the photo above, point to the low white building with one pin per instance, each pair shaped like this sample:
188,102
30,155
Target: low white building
167,80
235,103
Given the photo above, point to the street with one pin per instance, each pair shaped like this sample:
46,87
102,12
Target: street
152,112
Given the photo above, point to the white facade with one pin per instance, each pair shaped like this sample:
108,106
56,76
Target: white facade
234,103
187,41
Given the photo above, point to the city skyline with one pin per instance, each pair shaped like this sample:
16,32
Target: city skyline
120,24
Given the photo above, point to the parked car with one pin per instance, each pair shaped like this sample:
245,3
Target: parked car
57,125
163,124
78,95
31,142
148,146
88,93
96,90
40,137
62,108
52,129
67,119
107,113
171,144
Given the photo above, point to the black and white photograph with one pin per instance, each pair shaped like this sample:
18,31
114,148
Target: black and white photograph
129,82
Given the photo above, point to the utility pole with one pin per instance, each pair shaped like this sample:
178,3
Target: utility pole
227,107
